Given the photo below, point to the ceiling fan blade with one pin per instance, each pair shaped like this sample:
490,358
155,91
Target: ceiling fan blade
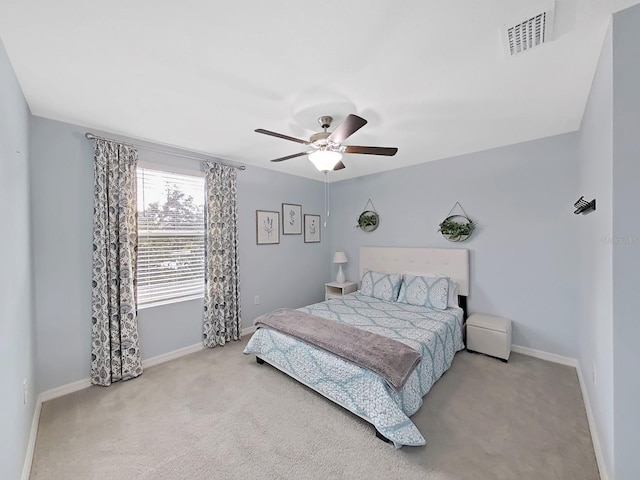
280,135
351,125
289,156
388,151
339,166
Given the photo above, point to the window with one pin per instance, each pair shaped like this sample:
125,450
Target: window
170,237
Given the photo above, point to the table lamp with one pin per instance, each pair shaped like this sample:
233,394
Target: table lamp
340,258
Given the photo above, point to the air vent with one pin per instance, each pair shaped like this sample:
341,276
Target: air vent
531,33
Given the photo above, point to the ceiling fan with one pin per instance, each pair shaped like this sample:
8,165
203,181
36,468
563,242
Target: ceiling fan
326,148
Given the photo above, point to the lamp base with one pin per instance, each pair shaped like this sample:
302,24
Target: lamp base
340,277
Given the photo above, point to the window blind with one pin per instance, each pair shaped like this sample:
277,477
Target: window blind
170,236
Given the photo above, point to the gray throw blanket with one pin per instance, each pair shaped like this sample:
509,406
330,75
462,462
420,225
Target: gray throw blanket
391,359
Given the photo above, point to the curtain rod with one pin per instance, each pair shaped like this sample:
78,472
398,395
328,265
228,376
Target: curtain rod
91,136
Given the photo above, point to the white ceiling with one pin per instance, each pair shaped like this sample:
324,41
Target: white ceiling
429,76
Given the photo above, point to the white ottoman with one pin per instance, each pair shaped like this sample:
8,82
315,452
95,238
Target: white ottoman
489,335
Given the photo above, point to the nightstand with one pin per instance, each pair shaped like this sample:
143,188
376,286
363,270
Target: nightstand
335,289
489,335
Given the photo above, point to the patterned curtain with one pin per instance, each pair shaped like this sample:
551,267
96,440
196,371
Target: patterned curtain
115,350
222,321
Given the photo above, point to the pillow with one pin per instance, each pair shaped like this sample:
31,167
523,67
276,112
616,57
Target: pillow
384,286
432,292
453,287
453,294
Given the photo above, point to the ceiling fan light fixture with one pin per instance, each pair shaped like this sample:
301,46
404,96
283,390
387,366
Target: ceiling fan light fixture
325,160
326,148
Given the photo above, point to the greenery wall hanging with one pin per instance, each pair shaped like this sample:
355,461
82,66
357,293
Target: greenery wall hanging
368,220
457,228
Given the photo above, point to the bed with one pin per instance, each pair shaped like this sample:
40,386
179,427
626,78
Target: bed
437,334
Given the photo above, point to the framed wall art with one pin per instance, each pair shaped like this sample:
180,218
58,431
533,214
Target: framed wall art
311,228
291,219
267,227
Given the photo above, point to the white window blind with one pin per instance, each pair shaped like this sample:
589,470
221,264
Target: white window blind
170,237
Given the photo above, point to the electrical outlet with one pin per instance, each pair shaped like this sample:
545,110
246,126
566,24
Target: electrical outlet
256,300
594,373
25,391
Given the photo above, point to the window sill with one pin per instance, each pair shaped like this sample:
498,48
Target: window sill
160,303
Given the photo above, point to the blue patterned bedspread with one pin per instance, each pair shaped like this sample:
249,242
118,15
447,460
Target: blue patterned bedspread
436,334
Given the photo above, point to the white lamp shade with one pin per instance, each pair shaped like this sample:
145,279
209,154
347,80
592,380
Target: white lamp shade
325,160
339,257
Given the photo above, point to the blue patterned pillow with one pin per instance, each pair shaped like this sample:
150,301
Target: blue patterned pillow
432,292
384,286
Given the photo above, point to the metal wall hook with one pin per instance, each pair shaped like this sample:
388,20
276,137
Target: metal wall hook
584,207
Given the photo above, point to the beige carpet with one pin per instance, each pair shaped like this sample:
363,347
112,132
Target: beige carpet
217,414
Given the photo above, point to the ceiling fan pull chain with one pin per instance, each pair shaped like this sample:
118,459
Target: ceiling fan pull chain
326,198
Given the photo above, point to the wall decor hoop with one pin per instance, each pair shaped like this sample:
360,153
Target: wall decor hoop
368,220
457,227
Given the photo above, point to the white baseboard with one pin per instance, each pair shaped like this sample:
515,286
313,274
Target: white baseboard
28,459
604,475
181,352
64,389
572,362
165,357
550,357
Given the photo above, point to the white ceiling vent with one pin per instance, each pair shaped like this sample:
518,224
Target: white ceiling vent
530,33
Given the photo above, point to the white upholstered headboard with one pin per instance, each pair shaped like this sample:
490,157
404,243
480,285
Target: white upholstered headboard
450,262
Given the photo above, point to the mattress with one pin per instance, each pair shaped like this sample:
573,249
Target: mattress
436,334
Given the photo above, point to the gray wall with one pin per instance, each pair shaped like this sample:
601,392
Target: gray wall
596,268
17,354
291,273
626,254
523,253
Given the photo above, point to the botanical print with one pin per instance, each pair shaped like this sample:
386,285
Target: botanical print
312,228
267,227
291,219
222,319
